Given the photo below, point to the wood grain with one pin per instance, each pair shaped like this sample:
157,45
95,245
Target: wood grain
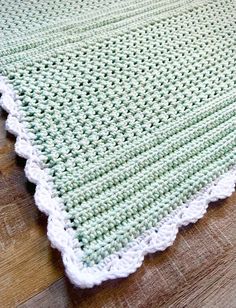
199,270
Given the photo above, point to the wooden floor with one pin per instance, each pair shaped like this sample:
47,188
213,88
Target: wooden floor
199,270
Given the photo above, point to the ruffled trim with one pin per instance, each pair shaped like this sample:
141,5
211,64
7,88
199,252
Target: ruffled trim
63,237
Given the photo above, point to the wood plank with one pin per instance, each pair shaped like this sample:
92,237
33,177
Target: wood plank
199,270
27,263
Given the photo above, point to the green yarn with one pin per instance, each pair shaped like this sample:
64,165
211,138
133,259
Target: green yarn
130,105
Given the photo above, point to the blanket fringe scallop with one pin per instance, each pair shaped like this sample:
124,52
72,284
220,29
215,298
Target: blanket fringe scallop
62,237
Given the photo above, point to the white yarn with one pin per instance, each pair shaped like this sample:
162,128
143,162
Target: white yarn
62,237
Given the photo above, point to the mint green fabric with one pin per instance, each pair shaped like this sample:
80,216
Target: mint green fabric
130,105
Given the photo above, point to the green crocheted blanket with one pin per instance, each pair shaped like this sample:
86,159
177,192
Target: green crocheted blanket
126,113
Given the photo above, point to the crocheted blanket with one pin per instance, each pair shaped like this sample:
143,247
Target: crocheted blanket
126,112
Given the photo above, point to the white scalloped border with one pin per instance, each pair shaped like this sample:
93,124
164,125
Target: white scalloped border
62,237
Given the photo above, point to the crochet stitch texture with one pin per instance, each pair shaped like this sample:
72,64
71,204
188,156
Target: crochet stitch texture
126,112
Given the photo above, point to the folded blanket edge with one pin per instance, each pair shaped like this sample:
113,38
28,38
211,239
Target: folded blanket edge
62,237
